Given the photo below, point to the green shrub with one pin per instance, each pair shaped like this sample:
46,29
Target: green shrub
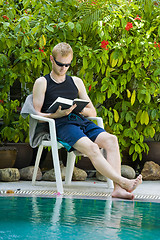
116,52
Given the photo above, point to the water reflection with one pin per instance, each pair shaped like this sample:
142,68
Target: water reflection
61,218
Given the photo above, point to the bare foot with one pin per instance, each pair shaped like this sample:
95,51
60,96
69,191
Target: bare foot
122,193
131,185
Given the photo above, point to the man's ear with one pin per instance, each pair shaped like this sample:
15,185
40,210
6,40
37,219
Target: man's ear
51,58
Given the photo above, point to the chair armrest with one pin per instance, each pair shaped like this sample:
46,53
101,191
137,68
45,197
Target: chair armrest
99,121
52,127
40,118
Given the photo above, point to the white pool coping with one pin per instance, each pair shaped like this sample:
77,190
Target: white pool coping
147,190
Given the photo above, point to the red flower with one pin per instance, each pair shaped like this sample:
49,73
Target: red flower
104,44
155,3
4,16
157,45
41,50
129,26
90,87
138,18
1,101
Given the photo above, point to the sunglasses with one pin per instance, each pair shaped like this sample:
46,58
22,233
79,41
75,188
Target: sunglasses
62,64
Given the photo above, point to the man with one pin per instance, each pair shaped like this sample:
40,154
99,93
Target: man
74,131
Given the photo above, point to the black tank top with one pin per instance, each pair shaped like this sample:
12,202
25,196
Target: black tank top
66,89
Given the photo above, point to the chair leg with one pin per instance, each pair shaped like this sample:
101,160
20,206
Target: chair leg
71,157
39,153
57,170
110,183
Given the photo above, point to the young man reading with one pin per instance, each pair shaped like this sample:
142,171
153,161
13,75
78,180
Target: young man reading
74,130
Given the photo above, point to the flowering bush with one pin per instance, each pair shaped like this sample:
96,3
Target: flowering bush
116,53
129,26
104,44
13,127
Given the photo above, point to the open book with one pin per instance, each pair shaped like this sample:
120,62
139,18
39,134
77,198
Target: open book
67,103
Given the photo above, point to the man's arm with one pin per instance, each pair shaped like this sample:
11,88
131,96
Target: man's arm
39,90
89,110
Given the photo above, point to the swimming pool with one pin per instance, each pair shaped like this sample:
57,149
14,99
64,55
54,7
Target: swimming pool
67,218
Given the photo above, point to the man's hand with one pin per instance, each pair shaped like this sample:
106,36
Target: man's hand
61,113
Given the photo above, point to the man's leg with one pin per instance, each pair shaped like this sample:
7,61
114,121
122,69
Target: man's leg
109,142
86,146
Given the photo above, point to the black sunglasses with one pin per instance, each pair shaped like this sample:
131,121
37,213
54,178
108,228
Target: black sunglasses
62,64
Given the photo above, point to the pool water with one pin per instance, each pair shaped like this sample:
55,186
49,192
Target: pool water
67,218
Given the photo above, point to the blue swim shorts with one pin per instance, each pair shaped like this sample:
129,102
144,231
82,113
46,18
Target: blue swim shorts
73,127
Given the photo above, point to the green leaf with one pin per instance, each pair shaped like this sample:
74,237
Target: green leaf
110,115
103,69
144,119
156,72
116,115
159,30
138,60
128,93
120,60
146,61
123,21
153,114
85,63
137,148
3,60
147,98
46,70
26,40
50,28
133,97
42,41
78,27
128,117
35,29
126,66
134,157
113,59
71,25
1,111
138,116
131,149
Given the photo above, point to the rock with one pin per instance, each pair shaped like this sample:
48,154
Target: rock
9,175
79,174
127,172
151,171
50,175
100,177
27,173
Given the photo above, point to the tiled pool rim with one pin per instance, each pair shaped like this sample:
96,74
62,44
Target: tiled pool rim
74,194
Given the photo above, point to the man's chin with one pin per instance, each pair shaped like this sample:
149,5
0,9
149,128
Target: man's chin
62,73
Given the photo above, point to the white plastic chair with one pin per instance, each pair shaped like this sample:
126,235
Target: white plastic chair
71,156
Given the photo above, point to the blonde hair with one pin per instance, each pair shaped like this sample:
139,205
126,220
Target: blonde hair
63,48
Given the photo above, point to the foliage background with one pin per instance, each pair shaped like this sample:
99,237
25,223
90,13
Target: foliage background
119,65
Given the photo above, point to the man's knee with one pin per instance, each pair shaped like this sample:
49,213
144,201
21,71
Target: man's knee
114,138
110,141
93,149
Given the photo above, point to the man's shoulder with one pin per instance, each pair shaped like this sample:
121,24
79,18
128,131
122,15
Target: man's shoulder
78,82
76,79
41,79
